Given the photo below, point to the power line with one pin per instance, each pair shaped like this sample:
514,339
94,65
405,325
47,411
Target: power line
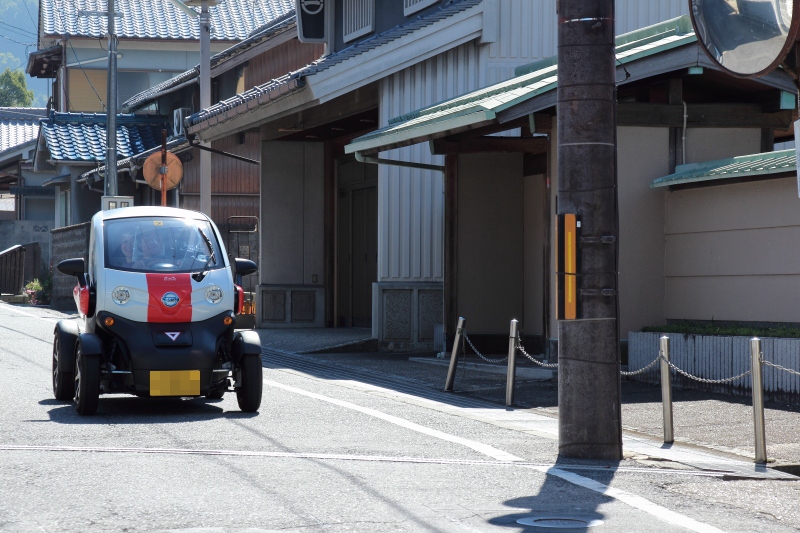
25,3
17,29
16,41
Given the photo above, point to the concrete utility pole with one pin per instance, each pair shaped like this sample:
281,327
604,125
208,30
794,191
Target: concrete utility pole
589,372
111,188
205,103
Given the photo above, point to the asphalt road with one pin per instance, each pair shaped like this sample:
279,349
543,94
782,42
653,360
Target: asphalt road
326,452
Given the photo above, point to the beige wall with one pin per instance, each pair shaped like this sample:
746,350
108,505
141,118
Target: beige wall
292,210
643,155
708,144
733,252
490,241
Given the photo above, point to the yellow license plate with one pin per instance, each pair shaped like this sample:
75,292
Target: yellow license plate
174,383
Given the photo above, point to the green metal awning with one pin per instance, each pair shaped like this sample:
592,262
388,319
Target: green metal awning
745,166
481,107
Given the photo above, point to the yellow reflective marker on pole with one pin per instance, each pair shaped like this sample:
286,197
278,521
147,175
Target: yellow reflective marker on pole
570,267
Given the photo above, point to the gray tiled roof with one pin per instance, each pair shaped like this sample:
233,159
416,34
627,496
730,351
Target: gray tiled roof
159,19
278,26
81,137
326,62
19,125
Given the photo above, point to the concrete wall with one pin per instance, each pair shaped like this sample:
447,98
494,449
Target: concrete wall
643,156
292,234
14,232
733,252
490,241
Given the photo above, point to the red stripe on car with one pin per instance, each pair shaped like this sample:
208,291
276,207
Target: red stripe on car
159,285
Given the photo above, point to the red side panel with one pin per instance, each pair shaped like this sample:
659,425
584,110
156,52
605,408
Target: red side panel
160,284
81,296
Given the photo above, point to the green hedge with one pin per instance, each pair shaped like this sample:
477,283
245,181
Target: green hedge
695,328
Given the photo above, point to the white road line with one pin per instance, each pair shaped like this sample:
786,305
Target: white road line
637,502
479,447
544,467
7,307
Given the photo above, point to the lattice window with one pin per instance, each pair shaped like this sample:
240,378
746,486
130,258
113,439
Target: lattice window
358,18
412,6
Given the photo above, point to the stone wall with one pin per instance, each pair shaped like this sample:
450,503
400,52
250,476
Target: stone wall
68,242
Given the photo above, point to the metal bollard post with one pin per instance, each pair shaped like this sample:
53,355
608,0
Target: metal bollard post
758,400
666,391
451,372
511,373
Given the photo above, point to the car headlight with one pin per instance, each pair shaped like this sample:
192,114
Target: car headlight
214,294
121,295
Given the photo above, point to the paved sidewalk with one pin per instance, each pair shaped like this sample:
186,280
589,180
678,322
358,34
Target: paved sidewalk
708,427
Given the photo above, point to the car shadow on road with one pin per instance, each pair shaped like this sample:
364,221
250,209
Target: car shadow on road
133,410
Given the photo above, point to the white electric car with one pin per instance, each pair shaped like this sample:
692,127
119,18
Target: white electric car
157,302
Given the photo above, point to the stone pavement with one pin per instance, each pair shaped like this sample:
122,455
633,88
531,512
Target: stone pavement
711,431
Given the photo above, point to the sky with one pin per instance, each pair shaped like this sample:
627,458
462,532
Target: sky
18,30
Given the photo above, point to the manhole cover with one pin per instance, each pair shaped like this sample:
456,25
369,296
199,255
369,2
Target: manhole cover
563,522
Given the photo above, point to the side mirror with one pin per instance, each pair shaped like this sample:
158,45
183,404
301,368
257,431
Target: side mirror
72,267
243,266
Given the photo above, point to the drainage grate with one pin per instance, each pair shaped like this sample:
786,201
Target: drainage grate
561,522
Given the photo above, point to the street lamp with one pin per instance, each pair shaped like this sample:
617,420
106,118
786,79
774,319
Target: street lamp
205,87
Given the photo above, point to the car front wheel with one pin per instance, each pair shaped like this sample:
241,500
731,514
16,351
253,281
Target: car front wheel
63,381
248,394
87,382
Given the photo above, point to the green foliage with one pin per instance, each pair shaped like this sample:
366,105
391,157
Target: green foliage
14,90
40,291
726,329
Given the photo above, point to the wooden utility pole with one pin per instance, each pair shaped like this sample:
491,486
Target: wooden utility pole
589,367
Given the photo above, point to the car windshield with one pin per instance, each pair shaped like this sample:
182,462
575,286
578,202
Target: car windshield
159,244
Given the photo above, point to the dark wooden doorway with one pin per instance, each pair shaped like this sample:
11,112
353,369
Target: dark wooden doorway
356,241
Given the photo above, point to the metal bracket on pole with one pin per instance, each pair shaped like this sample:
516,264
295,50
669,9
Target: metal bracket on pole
361,158
511,374
758,400
451,372
666,391
195,144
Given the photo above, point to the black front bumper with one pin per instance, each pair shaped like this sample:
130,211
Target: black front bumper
202,346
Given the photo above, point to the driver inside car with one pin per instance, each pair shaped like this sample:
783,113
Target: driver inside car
152,250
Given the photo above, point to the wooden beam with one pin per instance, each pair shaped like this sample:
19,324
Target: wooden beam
531,145
450,244
543,122
534,164
701,115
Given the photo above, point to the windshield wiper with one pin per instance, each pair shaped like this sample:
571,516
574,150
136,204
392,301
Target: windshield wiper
198,276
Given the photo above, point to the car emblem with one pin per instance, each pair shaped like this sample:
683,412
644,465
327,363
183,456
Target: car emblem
170,299
172,334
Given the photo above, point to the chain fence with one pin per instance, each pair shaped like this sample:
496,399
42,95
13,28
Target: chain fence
708,380
643,369
533,360
633,372
779,367
479,354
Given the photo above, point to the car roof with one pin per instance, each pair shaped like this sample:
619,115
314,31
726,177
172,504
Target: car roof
149,211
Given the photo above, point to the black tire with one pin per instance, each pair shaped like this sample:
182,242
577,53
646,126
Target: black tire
249,392
87,382
63,381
